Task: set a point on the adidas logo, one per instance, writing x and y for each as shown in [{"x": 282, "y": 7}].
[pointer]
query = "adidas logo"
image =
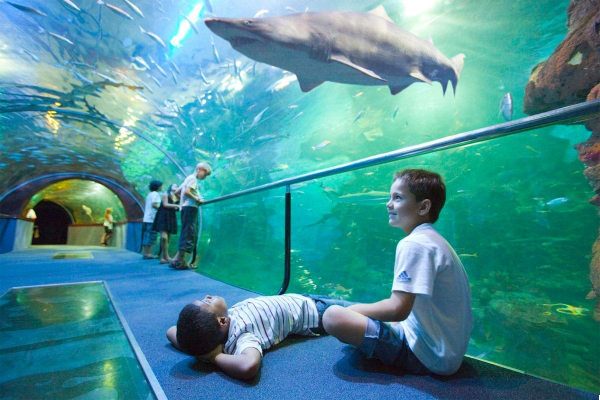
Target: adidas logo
[{"x": 403, "y": 277}]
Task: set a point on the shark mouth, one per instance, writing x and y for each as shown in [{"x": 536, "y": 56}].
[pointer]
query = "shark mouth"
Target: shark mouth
[{"x": 238, "y": 41}]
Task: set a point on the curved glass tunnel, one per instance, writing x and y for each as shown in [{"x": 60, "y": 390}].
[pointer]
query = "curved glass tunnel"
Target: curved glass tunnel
[{"x": 88, "y": 93}]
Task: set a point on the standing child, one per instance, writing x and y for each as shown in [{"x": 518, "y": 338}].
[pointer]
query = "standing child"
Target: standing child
[
  {"x": 431, "y": 297},
  {"x": 151, "y": 206},
  {"x": 191, "y": 216},
  {"x": 165, "y": 221},
  {"x": 108, "y": 226}
]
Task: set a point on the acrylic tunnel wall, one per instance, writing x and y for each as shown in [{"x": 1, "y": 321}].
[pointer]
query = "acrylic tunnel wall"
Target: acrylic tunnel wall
[{"x": 88, "y": 92}]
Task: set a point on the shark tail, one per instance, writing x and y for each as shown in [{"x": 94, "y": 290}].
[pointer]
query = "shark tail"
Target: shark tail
[{"x": 457, "y": 62}]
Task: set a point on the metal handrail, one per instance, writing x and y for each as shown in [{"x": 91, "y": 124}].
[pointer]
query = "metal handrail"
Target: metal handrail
[
  {"x": 570, "y": 114},
  {"x": 563, "y": 115}
]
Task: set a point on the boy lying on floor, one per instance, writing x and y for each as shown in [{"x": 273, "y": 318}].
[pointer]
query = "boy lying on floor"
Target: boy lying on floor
[{"x": 234, "y": 339}]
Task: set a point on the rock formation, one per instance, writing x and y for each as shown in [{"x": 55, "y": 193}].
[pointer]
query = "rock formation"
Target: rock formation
[{"x": 572, "y": 75}]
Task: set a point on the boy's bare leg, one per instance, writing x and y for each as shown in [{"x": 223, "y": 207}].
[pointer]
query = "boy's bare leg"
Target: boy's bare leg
[
  {"x": 346, "y": 325},
  {"x": 164, "y": 247}
]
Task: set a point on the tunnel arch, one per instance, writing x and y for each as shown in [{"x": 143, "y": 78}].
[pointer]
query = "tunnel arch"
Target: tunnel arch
[{"x": 15, "y": 201}]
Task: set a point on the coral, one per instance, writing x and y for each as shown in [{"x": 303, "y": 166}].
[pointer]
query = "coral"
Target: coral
[{"x": 572, "y": 75}]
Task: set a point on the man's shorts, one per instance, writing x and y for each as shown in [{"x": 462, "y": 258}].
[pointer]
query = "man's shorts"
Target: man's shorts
[
  {"x": 149, "y": 237},
  {"x": 389, "y": 345},
  {"x": 323, "y": 303}
]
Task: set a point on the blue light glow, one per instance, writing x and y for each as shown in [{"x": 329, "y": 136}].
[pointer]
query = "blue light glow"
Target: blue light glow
[{"x": 185, "y": 27}]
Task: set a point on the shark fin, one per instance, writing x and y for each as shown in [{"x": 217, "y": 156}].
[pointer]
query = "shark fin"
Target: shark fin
[
  {"x": 430, "y": 40},
  {"x": 344, "y": 60},
  {"x": 306, "y": 84},
  {"x": 418, "y": 75},
  {"x": 458, "y": 61},
  {"x": 398, "y": 88},
  {"x": 381, "y": 13}
]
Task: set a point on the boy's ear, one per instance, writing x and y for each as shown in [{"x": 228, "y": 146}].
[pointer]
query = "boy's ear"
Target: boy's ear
[
  {"x": 222, "y": 321},
  {"x": 425, "y": 207}
]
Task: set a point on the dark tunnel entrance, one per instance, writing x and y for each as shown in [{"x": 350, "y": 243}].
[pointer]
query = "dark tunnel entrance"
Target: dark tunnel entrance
[{"x": 52, "y": 223}]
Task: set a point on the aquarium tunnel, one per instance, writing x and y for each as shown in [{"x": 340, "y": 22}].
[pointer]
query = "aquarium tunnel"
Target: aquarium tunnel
[{"x": 303, "y": 111}]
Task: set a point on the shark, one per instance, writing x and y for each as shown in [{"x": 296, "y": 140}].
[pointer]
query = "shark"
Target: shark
[{"x": 361, "y": 48}]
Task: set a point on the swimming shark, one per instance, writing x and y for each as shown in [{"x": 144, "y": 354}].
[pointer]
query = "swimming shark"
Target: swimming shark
[{"x": 341, "y": 46}]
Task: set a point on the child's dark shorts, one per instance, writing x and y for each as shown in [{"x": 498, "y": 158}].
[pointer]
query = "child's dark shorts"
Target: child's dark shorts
[{"x": 389, "y": 345}]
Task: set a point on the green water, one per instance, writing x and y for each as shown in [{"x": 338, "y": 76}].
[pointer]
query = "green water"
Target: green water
[{"x": 517, "y": 209}]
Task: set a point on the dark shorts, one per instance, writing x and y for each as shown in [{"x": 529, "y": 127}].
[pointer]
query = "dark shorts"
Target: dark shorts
[
  {"x": 149, "y": 235},
  {"x": 189, "y": 229},
  {"x": 107, "y": 230},
  {"x": 389, "y": 345},
  {"x": 323, "y": 303}
]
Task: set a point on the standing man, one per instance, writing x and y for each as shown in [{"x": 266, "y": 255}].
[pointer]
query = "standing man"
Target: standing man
[
  {"x": 191, "y": 216},
  {"x": 152, "y": 204}
]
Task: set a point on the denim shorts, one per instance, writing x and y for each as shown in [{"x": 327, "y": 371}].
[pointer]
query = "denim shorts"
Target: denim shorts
[
  {"x": 389, "y": 345},
  {"x": 149, "y": 237},
  {"x": 323, "y": 303}
]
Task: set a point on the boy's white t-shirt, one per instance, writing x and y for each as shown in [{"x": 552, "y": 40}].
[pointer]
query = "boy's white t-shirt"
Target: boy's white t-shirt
[
  {"x": 186, "y": 201},
  {"x": 149, "y": 210},
  {"x": 439, "y": 325}
]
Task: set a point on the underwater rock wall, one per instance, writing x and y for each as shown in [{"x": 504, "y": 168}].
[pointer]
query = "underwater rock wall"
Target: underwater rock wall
[{"x": 572, "y": 75}]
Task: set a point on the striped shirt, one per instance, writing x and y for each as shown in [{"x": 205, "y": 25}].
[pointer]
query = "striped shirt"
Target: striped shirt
[{"x": 262, "y": 322}]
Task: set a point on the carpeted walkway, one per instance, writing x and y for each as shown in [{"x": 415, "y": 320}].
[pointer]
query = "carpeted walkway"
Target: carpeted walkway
[{"x": 150, "y": 296}]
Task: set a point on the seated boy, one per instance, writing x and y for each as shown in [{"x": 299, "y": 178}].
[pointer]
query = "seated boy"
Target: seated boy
[
  {"x": 234, "y": 339},
  {"x": 430, "y": 296}
]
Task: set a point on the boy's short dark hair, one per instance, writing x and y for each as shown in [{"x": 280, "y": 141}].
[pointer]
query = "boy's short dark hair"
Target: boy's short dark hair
[
  {"x": 425, "y": 185},
  {"x": 155, "y": 185},
  {"x": 198, "y": 331}
]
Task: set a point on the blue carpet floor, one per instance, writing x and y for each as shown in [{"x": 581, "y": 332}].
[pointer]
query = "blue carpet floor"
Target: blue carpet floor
[{"x": 150, "y": 296}]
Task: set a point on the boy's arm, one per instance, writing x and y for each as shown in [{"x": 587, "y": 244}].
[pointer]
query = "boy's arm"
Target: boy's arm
[
  {"x": 396, "y": 308},
  {"x": 172, "y": 336},
  {"x": 240, "y": 366},
  {"x": 189, "y": 193}
]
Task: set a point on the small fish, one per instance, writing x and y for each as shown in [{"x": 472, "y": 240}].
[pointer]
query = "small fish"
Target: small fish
[
  {"x": 557, "y": 201},
  {"x": 146, "y": 85},
  {"x": 174, "y": 66},
  {"x": 30, "y": 54},
  {"x": 116, "y": 10},
  {"x": 394, "y": 113},
  {"x": 82, "y": 78},
  {"x": 358, "y": 94},
  {"x": 192, "y": 25},
  {"x": 153, "y": 36},
  {"x": 360, "y": 113},
  {"x": 208, "y": 5},
  {"x": 134, "y": 8},
  {"x": 142, "y": 62},
  {"x": 64, "y": 39},
  {"x": 468, "y": 255},
  {"x": 164, "y": 124},
  {"x": 203, "y": 77},
  {"x": 155, "y": 81},
  {"x": 71, "y": 4},
  {"x": 174, "y": 77},
  {"x": 80, "y": 64},
  {"x": 506, "y": 107},
  {"x": 215, "y": 52},
  {"x": 297, "y": 115},
  {"x": 105, "y": 77},
  {"x": 260, "y": 13},
  {"x": 256, "y": 119},
  {"x": 291, "y": 9},
  {"x": 321, "y": 145},
  {"x": 162, "y": 71},
  {"x": 26, "y": 9}
]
